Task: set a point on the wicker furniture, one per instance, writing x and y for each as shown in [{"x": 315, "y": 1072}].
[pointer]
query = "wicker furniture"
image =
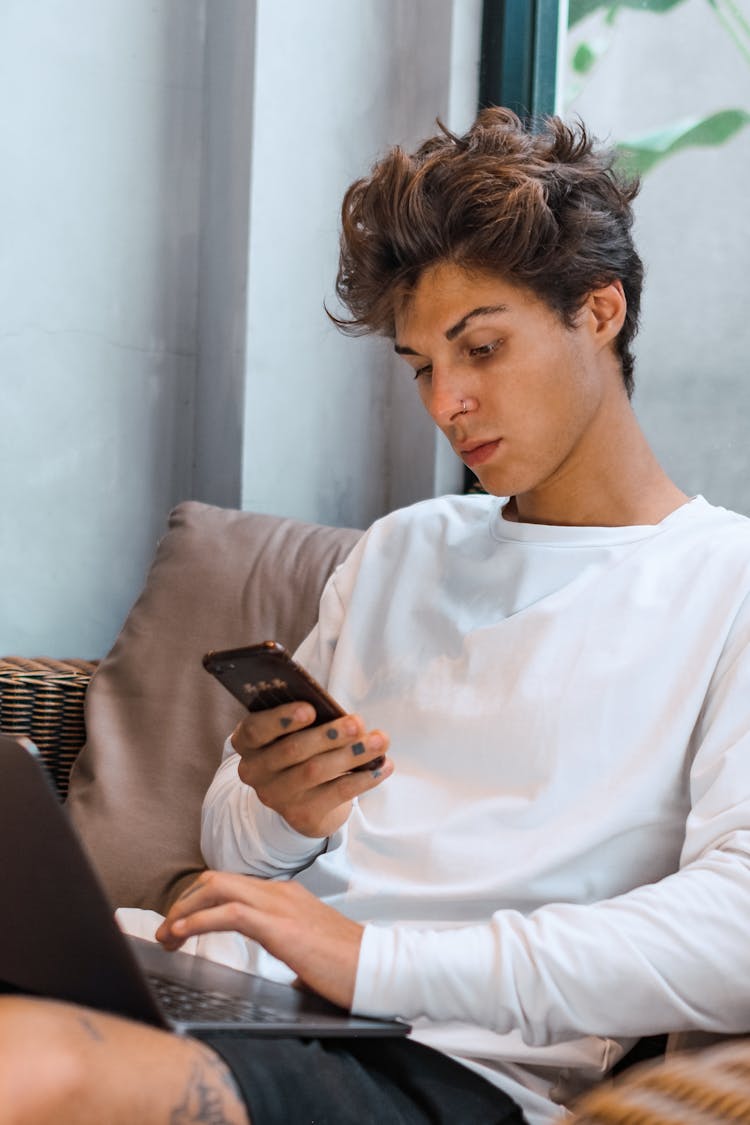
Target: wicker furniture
[
  {"x": 708, "y": 1087},
  {"x": 43, "y": 699}
]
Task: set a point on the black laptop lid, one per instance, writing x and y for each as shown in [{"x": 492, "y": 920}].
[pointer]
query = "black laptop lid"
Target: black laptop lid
[{"x": 59, "y": 937}]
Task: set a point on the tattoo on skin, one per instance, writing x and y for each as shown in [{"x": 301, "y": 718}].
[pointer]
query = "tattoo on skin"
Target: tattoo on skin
[
  {"x": 191, "y": 890},
  {"x": 211, "y": 1096},
  {"x": 285, "y": 723},
  {"x": 358, "y": 748},
  {"x": 216, "y": 1063},
  {"x": 91, "y": 1029},
  {"x": 332, "y": 733}
]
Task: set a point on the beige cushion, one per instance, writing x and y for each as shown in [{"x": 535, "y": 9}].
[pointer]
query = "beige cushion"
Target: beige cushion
[{"x": 156, "y": 721}]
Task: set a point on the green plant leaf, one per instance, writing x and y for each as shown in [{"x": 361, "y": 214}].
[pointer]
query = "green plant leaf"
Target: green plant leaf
[
  {"x": 736, "y": 25},
  {"x": 579, "y": 9},
  {"x": 641, "y": 154},
  {"x": 584, "y": 58},
  {"x": 650, "y": 5}
]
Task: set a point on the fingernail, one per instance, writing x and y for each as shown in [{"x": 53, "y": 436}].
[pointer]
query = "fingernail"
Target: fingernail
[
  {"x": 303, "y": 713},
  {"x": 376, "y": 742}
]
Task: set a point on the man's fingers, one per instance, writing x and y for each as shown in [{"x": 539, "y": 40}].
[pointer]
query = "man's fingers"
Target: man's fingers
[
  {"x": 319, "y": 802},
  {"x": 324, "y": 765},
  {"x": 226, "y": 917},
  {"x": 213, "y": 888},
  {"x": 303, "y": 759},
  {"x": 284, "y": 734},
  {"x": 316, "y": 743},
  {"x": 210, "y": 891},
  {"x": 231, "y": 915},
  {"x": 354, "y": 784},
  {"x": 226, "y": 901},
  {"x": 261, "y": 728}
]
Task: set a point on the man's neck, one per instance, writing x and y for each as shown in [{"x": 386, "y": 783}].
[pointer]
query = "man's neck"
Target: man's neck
[{"x": 616, "y": 481}]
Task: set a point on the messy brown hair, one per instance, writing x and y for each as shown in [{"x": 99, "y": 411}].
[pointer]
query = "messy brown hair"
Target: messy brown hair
[{"x": 538, "y": 203}]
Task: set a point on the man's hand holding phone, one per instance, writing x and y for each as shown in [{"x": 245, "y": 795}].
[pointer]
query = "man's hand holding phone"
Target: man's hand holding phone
[{"x": 308, "y": 774}]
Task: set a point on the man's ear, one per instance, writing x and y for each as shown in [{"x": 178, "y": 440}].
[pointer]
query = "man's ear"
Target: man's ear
[{"x": 606, "y": 309}]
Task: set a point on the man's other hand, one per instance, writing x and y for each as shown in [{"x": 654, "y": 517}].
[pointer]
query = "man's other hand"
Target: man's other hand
[{"x": 317, "y": 942}]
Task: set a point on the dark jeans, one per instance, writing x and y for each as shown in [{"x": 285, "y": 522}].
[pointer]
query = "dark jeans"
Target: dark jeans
[{"x": 359, "y": 1082}]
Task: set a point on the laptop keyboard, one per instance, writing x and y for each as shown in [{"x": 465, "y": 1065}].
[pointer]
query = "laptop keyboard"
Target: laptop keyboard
[{"x": 185, "y": 1004}]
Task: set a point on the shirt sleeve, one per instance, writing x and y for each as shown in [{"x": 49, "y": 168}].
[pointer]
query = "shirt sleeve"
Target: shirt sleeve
[
  {"x": 238, "y": 832},
  {"x": 669, "y": 956}
]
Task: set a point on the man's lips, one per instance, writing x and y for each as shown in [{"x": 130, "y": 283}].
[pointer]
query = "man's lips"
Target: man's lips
[{"x": 476, "y": 452}]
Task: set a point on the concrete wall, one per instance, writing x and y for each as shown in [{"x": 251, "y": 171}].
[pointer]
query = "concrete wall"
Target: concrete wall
[
  {"x": 333, "y": 428},
  {"x": 172, "y": 176},
  {"x": 101, "y": 107}
]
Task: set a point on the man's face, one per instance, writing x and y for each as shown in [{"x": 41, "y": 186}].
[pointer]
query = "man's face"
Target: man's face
[{"x": 531, "y": 387}]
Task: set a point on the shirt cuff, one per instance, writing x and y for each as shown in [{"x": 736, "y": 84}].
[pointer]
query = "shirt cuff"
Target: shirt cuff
[
  {"x": 416, "y": 973},
  {"x": 284, "y": 844}
]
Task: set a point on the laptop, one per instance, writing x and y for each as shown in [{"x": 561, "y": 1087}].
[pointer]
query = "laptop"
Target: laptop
[{"x": 59, "y": 938}]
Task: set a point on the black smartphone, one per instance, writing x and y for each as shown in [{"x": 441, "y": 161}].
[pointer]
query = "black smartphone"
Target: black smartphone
[{"x": 265, "y": 675}]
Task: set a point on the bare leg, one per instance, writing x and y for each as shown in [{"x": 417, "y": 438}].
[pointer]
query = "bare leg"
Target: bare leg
[{"x": 60, "y": 1063}]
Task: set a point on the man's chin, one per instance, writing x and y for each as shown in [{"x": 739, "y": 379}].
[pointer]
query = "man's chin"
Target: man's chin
[{"x": 493, "y": 484}]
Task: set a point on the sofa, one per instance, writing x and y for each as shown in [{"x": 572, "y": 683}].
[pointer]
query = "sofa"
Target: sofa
[{"x": 155, "y": 722}]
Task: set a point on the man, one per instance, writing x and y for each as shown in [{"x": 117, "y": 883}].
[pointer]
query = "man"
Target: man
[{"x": 552, "y": 859}]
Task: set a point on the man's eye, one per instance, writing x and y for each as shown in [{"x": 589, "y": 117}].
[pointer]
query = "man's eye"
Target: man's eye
[
  {"x": 420, "y": 371},
  {"x": 484, "y": 349}
]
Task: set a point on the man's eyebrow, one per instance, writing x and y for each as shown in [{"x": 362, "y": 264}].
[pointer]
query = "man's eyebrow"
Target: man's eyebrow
[
  {"x": 458, "y": 327},
  {"x": 483, "y": 310}
]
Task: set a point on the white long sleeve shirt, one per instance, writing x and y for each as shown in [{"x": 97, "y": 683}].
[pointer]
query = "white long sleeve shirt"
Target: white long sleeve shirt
[{"x": 561, "y": 858}]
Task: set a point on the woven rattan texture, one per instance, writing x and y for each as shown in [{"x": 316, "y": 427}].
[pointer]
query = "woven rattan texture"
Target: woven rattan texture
[
  {"x": 43, "y": 699},
  {"x": 707, "y": 1087}
]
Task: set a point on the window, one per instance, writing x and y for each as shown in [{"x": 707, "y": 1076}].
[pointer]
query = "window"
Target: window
[{"x": 669, "y": 82}]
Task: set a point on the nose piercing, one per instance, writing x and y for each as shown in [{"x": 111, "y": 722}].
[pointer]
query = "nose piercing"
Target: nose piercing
[{"x": 463, "y": 406}]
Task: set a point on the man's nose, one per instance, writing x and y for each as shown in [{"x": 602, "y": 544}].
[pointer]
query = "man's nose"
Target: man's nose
[{"x": 448, "y": 397}]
